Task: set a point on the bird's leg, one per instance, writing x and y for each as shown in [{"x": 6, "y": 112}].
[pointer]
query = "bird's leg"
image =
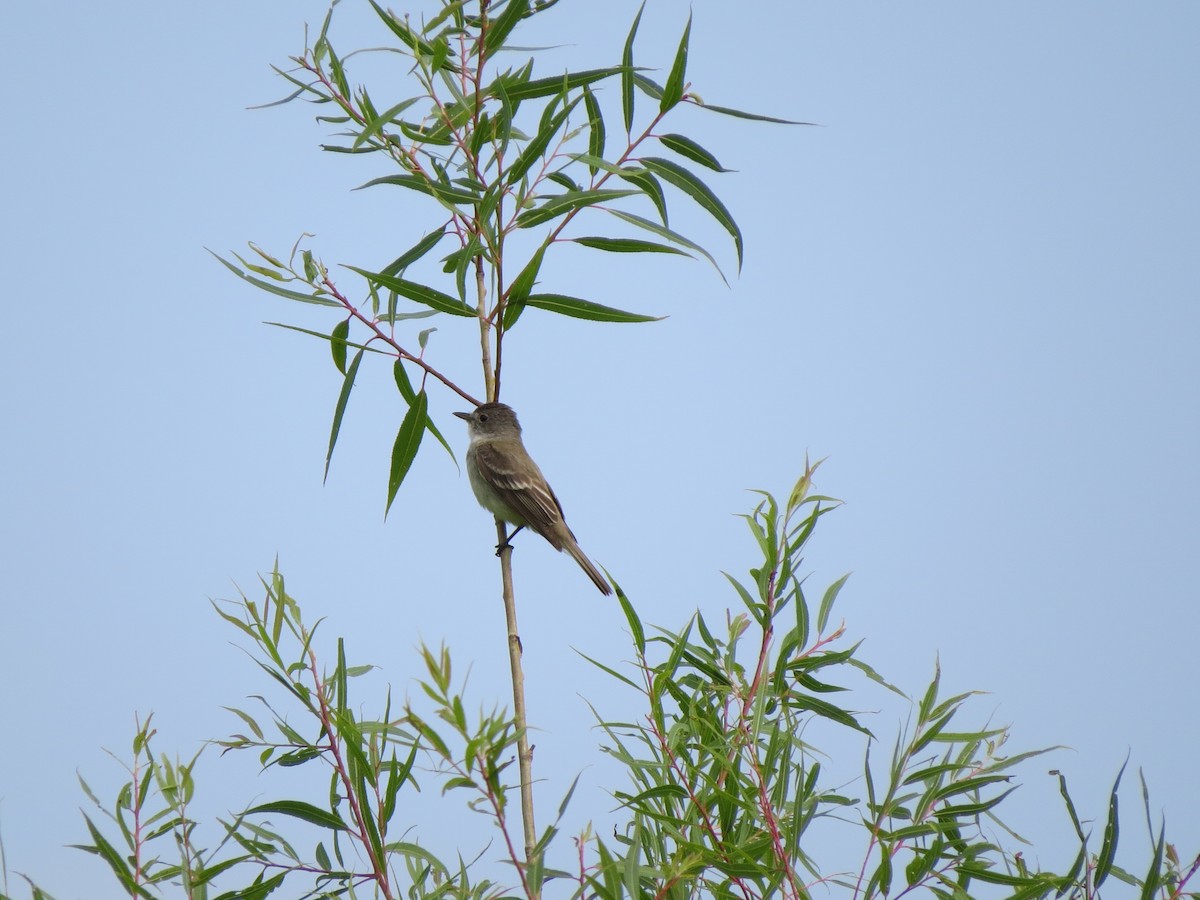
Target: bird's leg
[{"x": 507, "y": 545}]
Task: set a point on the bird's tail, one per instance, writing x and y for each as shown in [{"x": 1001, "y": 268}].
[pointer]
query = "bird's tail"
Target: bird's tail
[{"x": 586, "y": 564}]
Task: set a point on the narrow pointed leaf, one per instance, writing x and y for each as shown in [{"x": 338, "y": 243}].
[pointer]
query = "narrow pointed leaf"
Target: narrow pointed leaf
[
  {"x": 635, "y": 175},
  {"x": 673, "y": 89},
  {"x": 627, "y": 245},
  {"x": 340, "y": 409},
  {"x": 636, "y": 628},
  {"x": 825, "y": 710},
  {"x": 737, "y": 113},
  {"x": 399, "y": 28},
  {"x": 418, "y": 292},
  {"x": 521, "y": 288},
  {"x": 663, "y": 231},
  {"x": 1154, "y": 877},
  {"x": 450, "y": 195},
  {"x": 408, "y": 440},
  {"x": 337, "y": 344},
  {"x": 584, "y": 309},
  {"x": 288, "y": 99},
  {"x": 827, "y": 602},
  {"x": 700, "y": 192},
  {"x": 648, "y": 86},
  {"x": 501, "y": 27},
  {"x": 535, "y": 148},
  {"x": 1108, "y": 847},
  {"x": 595, "y": 125},
  {"x": 378, "y": 123},
  {"x": 453, "y": 8},
  {"x": 304, "y": 811},
  {"x": 627, "y": 71},
  {"x": 562, "y": 179},
  {"x": 649, "y": 186},
  {"x": 688, "y": 148},
  {"x": 546, "y": 87},
  {"x": 561, "y": 204},
  {"x": 415, "y": 252},
  {"x": 410, "y": 395},
  {"x": 275, "y": 289},
  {"x": 323, "y": 336}
]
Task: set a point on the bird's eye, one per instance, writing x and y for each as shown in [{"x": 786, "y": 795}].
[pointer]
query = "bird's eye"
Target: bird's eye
[{"x": 483, "y": 417}]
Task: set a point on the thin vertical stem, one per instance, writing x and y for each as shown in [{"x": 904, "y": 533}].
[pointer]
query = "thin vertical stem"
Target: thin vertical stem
[
  {"x": 485, "y": 328},
  {"x": 524, "y": 751}
]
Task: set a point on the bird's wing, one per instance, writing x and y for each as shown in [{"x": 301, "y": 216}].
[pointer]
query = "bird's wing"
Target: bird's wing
[{"x": 531, "y": 498}]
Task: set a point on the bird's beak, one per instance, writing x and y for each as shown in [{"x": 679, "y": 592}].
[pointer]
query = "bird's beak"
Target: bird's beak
[{"x": 466, "y": 416}]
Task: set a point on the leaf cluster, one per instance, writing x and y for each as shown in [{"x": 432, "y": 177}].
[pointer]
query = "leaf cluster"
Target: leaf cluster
[
  {"x": 728, "y": 788},
  {"x": 494, "y": 151}
]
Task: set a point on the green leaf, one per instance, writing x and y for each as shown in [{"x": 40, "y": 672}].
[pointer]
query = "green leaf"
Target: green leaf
[
  {"x": 306, "y": 812},
  {"x": 737, "y": 113},
  {"x": 337, "y": 344},
  {"x": 245, "y": 717},
  {"x": 419, "y": 292},
  {"x": 410, "y": 396},
  {"x": 673, "y": 791},
  {"x": 398, "y": 775},
  {"x": 408, "y": 440},
  {"x": 825, "y": 710},
  {"x": 401, "y": 30},
  {"x": 535, "y": 148},
  {"x": 831, "y": 593},
  {"x": 968, "y": 785},
  {"x": 449, "y": 195},
  {"x": 700, "y": 192},
  {"x": 288, "y": 99},
  {"x": 546, "y": 87},
  {"x": 337, "y": 72},
  {"x": 340, "y": 409},
  {"x": 663, "y": 231},
  {"x": 438, "y": 135},
  {"x": 561, "y": 204},
  {"x": 595, "y": 125},
  {"x": 688, "y": 148},
  {"x": 584, "y": 309},
  {"x": 673, "y": 89},
  {"x": 1062, "y": 789},
  {"x": 377, "y": 124},
  {"x": 613, "y": 672},
  {"x": 649, "y": 186},
  {"x": 648, "y": 86},
  {"x": 415, "y": 252},
  {"x": 501, "y": 27},
  {"x": 208, "y": 873},
  {"x": 563, "y": 179},
  {"x": 1154, "y": 878},
  {"x": 299, "y": 757},
  {"x": 627, "y": 71},
  {"x": 334, "y": 148},
  {"x": 453, "y": 8},
  {"x": 324, "y": 337},
  {"x": 519, "y": 290},
  {"x": 627, "y": 245},
  {"x": 1108, "y": 848},
  {"x": 275, "y": 289},
  {"x": 106, "y": 851}
]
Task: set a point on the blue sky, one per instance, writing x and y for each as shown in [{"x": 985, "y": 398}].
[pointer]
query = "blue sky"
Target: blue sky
[{"x": 975, "y": 289}]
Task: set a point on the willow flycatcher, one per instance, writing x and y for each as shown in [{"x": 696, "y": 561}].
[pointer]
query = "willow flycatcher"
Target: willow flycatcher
[{"x": 509, "y": 484}]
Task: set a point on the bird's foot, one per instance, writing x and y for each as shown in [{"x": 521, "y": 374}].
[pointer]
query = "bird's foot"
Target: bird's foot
[{"x": 507, "y": 544}]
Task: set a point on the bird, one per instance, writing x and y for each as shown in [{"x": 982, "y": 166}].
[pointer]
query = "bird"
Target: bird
[{"x": 509, "y": 484}]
